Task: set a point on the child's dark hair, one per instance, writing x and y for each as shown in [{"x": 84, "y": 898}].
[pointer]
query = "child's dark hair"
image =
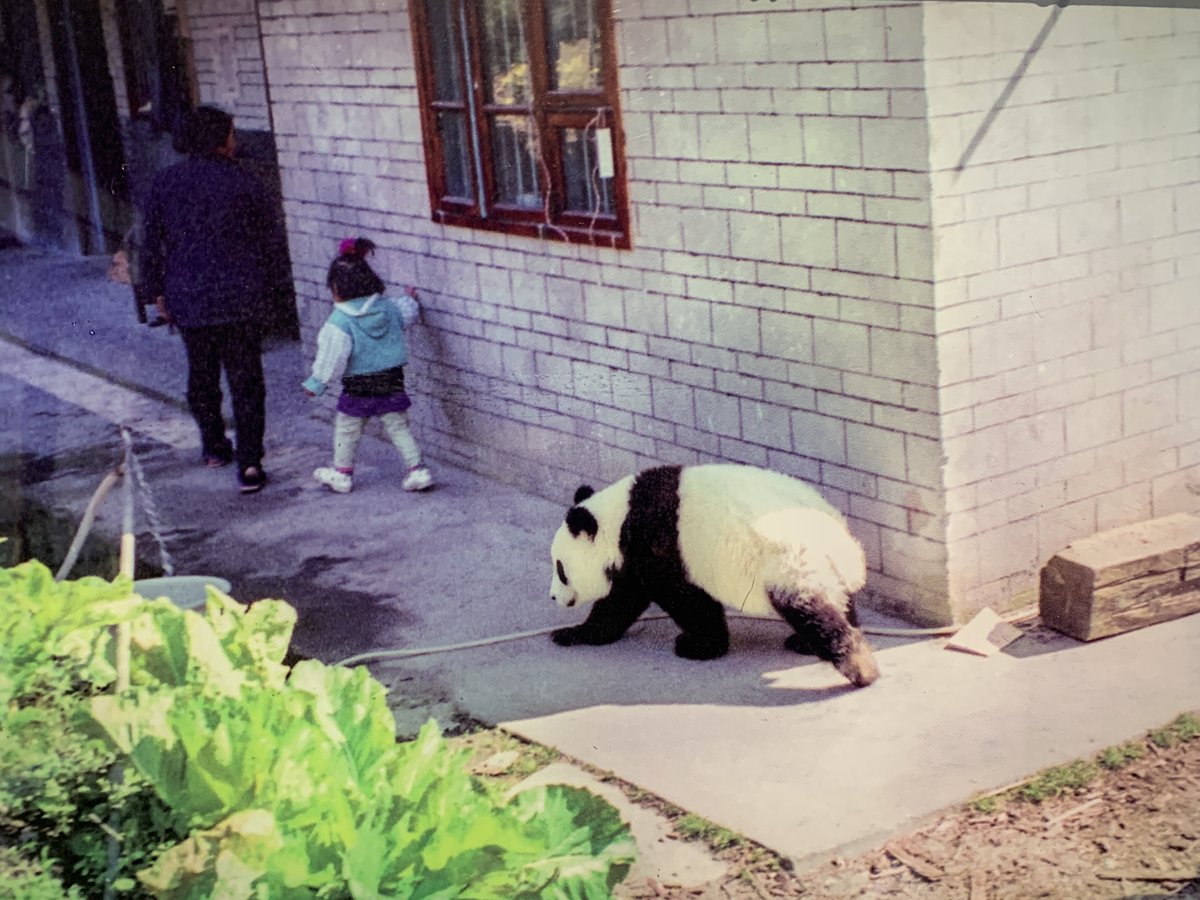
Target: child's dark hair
[{"x": 350, "y": 275}]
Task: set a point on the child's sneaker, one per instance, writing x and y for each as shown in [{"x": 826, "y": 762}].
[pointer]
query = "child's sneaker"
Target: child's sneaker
[
  {"x": 338, "y": 482},
  {"x": 418, "y": 479}
]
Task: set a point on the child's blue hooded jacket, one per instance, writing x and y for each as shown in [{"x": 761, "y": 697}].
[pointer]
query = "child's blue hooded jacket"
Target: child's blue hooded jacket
[{"x": 362, "y": 336}]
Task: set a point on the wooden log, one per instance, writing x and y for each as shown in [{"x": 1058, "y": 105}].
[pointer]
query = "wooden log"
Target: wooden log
[{"x": 1124, "y": 578}]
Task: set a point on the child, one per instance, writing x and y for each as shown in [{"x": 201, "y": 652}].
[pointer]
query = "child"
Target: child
[{"x": 363, "y": 340}]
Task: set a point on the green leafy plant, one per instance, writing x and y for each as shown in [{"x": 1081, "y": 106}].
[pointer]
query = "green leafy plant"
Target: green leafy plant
[
  {"x": 57, "y": 790},
  {"x": 248, "y": 778},
  {"x": 31, "y": 879}
]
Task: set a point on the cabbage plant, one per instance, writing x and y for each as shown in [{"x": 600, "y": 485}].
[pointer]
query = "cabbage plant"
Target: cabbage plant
[{"x": 281, "y": 783}]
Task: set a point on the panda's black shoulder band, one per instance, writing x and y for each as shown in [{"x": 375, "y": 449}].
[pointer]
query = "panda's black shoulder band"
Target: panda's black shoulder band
[{"x": 581, "y": 521}]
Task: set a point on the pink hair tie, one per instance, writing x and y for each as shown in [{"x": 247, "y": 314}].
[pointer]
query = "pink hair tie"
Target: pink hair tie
[{"x": 348, "y": 247}]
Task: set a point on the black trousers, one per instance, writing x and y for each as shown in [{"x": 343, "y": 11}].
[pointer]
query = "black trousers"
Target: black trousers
[{"x": 236, "y": 348}]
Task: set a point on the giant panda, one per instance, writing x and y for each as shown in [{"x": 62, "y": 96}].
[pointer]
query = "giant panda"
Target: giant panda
[{"x": 696, "y": 539}]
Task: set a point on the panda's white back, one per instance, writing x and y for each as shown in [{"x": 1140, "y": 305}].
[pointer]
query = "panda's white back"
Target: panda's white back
[{"x": 743, "y": 528}]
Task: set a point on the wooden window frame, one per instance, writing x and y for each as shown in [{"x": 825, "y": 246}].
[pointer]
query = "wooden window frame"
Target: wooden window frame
[{"x": 549, "y": 111}]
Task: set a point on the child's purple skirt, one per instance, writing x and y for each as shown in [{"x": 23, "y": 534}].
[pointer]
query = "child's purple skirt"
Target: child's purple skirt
[{"x": 368, "y": 407}]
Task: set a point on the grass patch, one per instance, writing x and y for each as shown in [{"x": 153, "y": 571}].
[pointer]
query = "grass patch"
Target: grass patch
[
  {"x": 1075, "y": 776},
  {"x": 695, "y": 828},
  {"x": 985, "y": 805},
  {"x": 1187, "y": 727},
  {"x": 1113, "y": 758},
  {"x": 1059, "y": 780}
]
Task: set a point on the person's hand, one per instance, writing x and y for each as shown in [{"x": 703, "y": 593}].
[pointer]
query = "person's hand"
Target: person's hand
[
  {"x": 309, "y": 393},
  {"x": 160, "y": 304},
  {"x": 410, "y": 291}
]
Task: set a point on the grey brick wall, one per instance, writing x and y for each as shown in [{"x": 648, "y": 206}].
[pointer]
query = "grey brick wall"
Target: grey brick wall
[{"x": 229, "y": 60}]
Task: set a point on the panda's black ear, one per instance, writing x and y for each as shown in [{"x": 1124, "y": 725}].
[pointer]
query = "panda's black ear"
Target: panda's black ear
[
  {"x": 583, "y": 493},
  {"x": 581, "y": 521}
]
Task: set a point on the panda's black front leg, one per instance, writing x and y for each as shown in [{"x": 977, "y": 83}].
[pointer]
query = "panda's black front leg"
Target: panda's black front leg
[
  {"x": 702, "y": 620},
  {"x": 609, "y": 619}
]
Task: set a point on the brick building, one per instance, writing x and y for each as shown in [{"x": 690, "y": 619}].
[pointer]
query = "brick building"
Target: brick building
[{"x": 941, "y": 259}]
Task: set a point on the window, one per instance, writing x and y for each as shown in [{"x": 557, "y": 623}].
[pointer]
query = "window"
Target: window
[{"x": 519, "y": 110}]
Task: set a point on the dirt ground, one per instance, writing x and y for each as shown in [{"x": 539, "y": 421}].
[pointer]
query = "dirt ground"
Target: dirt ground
[{"x": 1126, "y": 825}]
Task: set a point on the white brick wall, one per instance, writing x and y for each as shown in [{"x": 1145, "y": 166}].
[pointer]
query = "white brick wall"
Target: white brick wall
[
  {"x": 801, "y": 175},
  {"x": 230, "y": 69},
  {"x": 777, "y": 307},
  {"x": 1063, "y": 146}
]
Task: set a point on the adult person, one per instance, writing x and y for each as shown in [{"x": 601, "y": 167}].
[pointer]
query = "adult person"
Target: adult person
[{"x": 208, "y": 225}]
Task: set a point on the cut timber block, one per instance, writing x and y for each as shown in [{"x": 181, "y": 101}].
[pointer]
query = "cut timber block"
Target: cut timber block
[{"x": 1125, "y": 578}]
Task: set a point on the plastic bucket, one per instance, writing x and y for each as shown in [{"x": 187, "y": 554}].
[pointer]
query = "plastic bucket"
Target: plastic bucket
[{"x": 185, "y": 591}]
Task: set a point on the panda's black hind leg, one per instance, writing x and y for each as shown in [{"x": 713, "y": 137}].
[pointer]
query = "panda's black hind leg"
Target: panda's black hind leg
[
  {"x": 823, "y": 630},
  {"x": 802, "y": 644},
  {"x": 702, "y": 620}
]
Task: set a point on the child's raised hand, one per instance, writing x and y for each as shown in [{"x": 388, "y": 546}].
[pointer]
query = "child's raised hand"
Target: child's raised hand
[
  {"x": 410, "y": 291},
  {"x": 309, "y": 393}
]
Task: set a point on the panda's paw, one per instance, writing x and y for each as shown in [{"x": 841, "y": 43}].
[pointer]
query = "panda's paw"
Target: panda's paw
[
  {"x": 567, "y": 637},
  {"x": 690, "y": 646},
  {"x": 581, "y": 634}
]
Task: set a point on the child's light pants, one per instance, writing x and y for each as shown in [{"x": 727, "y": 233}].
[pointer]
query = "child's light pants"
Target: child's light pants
[{"x": 347, "y": 431}]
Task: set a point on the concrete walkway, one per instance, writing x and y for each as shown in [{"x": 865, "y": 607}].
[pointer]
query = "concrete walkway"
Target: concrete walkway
[{"x": 772, "y": 745}]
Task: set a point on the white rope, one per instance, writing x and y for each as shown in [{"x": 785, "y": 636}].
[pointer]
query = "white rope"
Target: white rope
[
  {"x": 151, "y": 509},
  {"x": 409, "y": 652}
]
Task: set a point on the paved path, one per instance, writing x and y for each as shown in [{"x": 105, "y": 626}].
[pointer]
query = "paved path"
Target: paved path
[{"x": 772, "y": 745}]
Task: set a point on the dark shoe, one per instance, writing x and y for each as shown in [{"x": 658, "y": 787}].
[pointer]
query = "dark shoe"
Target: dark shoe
[
  {"x": 222, "y": 456},
  {"x": 251, "y": 479}
]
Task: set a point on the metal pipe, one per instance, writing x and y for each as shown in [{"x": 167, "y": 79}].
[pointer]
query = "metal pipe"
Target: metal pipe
[{"x": 82, "y": 133}]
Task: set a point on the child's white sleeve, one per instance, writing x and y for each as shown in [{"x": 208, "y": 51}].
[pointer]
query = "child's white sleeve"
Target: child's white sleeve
[
  {"x": 410, "y": 310},
  {"x": 333, "y": 352}
]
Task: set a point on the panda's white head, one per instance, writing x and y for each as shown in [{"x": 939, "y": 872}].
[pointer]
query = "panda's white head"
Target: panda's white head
[{"x": 584, "y": 552}]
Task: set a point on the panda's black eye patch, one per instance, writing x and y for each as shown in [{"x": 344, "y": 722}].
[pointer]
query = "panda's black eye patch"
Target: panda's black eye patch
[{"x": 562, "y": 573}]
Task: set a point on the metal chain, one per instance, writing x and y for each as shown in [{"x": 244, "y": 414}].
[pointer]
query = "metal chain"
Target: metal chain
[{"x": 148, "y": 504}]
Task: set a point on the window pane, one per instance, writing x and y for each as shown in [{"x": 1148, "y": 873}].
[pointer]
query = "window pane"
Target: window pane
[
  {"x": 573, "y": 45},
  {"x": 506, "y": 53},
  {"x": 587, "y": 191},
  {"x": 456, "y": 157},
  {"x": 514, "y": 162},
  {"x": 445, "y": 44}
]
